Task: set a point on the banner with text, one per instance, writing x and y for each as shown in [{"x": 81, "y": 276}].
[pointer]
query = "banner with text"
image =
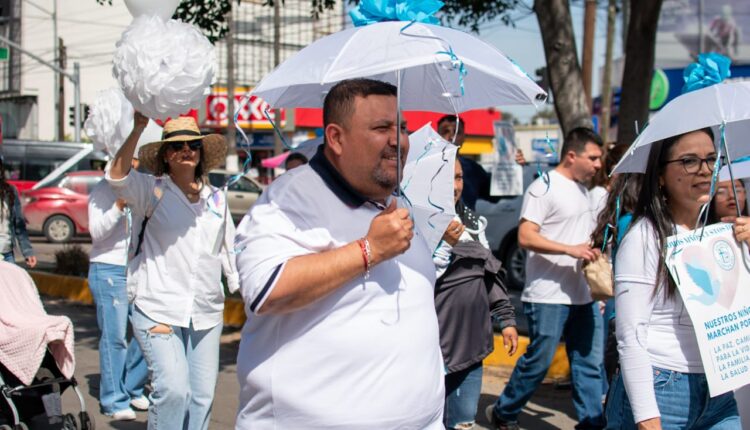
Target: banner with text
[{"x": 709, "y": 273}]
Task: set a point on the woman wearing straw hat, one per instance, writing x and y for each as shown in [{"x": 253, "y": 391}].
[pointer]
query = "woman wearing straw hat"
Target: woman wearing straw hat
[{"x": 175, "y": 276}]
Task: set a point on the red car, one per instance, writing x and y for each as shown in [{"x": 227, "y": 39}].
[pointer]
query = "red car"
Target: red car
[{"x": 60, "y": 211}]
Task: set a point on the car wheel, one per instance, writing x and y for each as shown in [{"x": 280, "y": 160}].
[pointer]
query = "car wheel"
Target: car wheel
[
  {"x": 59, "y": 229},
  {"x": 515, "y": 266}
]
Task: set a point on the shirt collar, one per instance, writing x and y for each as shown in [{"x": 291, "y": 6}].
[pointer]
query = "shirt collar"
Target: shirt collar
[{"x": 335, "y": 182}]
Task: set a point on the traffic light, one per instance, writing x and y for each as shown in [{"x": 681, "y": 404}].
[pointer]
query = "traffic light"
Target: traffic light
[{"x": 72, "y": 114}]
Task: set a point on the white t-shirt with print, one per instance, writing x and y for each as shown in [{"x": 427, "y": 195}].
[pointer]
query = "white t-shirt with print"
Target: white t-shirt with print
[{"x": 564, "y": 215}]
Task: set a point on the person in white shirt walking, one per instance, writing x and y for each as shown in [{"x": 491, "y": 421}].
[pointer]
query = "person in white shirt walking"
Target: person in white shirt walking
[
  {"x": 338, "y": 287},
  {"x": 175, "y": 278},
  {"x": 555, "y": 227},
  {"x": 122, "y": 369},
  {"x": 661, "y": 383}
]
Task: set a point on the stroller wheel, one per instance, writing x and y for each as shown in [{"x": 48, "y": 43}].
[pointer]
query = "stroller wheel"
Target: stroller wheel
[
  {"x": 86, "y": 422},
  {"x": 21, "y": 426},
  {"x": 6, "y": 427},
  {"x": 69, "y": 422}
]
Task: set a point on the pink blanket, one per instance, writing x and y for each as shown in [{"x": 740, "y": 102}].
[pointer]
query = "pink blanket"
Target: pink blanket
[{"x": 26, "y": 330}]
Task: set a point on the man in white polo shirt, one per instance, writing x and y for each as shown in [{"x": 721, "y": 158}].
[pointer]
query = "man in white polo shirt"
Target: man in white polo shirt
[{"x": 338, "y": 288}]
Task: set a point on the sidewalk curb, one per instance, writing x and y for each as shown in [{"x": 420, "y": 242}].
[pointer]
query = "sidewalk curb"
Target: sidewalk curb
[{"x": 77, "y": 290}]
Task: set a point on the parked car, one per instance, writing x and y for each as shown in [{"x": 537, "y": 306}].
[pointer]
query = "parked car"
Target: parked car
[
  {"x": 29, "y": 161},
  {"x": 60, "y": 211},
  {"x": 502, "y": 230},
  {"x": 241, "y": 195}
]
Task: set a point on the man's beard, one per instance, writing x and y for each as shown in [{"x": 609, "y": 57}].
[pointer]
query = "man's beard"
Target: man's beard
[{"x": 381, "y": 176}]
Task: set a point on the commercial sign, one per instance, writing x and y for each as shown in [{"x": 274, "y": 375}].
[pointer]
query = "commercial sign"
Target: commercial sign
[{"x": 252, "y": 115}]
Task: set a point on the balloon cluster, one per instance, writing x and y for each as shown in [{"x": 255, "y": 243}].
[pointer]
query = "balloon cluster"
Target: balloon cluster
[{"x": 164, "y": 67}]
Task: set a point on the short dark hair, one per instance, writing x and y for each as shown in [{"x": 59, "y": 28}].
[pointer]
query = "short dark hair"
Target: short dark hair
[
  {"x": 295, "y": 156},
  {"x": 338, "y": 105},
  {"x": 577, "y": 138},
  {"x": 452, "y": 118}
]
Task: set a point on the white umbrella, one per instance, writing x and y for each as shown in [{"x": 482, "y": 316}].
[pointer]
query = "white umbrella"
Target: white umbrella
[
  {"x": 440, "y": 69},
  {"x": 740, "y": 169},
  {"x": 712, "y": 106},
  {"x": 428, "y": 183}
]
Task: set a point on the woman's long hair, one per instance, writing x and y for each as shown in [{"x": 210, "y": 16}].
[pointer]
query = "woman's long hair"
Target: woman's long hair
[
  {"x": 626, "y": 187},
  {"x": 6, "y": 192},
  {"x": 652, "y": 205}
]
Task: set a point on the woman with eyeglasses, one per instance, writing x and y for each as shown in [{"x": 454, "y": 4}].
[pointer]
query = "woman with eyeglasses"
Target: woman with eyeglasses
[
  {"x": 661, "y": 383},
  {"x": 186, "y": 238}
]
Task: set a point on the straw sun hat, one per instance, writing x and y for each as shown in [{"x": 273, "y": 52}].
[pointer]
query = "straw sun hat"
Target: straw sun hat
[{"x": 184, "y": 129}]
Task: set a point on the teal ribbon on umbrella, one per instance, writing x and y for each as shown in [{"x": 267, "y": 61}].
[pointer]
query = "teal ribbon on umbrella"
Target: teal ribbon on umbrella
[
  {"x": 711, "y": 68},
  {"x": 456, "y": 64},
  {"x": 372, "y": 11}
]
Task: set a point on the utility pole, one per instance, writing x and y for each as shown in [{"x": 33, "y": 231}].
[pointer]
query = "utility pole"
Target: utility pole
[
  {"x": 232, "y": 161},
  {"x": 60, "y": 86},
  {"x": 57, "y": 78},
  {"x": 607, "y": 78},
  {"x": 278, "y": 146},
  {"x": 589, "y": 30}
]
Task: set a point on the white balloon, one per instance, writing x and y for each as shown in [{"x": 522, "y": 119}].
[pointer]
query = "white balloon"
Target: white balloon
[
  {"x": 110, "y": 121},
  {"x": 164, "y": 9},
  {"x": 164, "y": 68}
]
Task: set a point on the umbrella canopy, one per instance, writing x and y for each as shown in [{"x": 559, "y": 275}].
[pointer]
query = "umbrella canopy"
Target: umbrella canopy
[
  {"x": 708, "y": 107},
  {"x": 428, "y": 183},
  {"x": 431, "y": 59},
  {"x": 740, "y": 169},
  {"x": 275, "y": 161}
]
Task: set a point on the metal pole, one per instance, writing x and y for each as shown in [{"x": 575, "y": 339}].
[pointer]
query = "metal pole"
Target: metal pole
[
  {"x": 77, "y": 101},
  {"x": 398, "y": 133},
  {"x": 231, "y": 161},
  {"x": 56, "y": 48},
  {"x": 14, "y": 45},
  {"x": 278, "y": 145}
]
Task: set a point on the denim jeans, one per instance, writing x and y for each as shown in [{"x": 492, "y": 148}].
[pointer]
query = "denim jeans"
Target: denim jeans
[
  {"x": 8, "y": 257},
  {"x": 683, "y": 401},
  {"x": 609, "y": 313},
  {"x": 122, "y": 368},
  {"x": 462, "y": 391},
  {"x": 582, "y": 327},
  {"x": 184, "y": 366}
]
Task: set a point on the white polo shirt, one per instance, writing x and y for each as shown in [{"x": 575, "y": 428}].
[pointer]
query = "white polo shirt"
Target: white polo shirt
[
  {"x": 367, "y": 356},
  {"x": 183, "y": 252}
]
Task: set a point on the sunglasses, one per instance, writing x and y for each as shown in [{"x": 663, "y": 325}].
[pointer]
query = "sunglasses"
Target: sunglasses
[{"x": 194, "y": 145}]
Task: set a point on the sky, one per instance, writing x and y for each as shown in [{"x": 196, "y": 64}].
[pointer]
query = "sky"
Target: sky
[{"x": 523, "y": 43}]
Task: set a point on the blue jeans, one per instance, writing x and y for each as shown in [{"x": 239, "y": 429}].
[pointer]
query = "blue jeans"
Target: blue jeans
[
  {"x": 462, "y": 391},
  {"x": 582, "y": 327},
  {"x": 683, "y": 401},
  {"x": 8, "y": 257},
  {"x": 122, "y": 368},
  {"x": 609, "y": 313},
  {"x": 184, "y": 366}
]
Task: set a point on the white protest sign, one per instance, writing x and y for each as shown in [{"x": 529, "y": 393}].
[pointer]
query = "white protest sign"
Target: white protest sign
[{"x": 715, "y": 286}]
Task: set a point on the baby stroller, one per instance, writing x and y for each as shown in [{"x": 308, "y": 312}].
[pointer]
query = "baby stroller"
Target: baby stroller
[{"x": 36, "y": 359}]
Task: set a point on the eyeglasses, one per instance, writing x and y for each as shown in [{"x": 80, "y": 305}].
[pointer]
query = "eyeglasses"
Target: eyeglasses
[
  {"x": 177, "y": 145},
  {"x": 693, "y": 165}
]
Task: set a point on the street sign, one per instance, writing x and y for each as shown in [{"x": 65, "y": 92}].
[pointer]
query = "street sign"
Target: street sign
[{"x": 4, "y": 53}]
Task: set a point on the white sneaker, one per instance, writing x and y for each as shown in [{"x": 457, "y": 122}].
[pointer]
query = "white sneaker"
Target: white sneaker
[
  {"x": 124, "y": 415},
  {"x": 140, "y": 403}
]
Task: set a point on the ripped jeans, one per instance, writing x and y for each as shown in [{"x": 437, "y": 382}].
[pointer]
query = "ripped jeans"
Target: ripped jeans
[
  {"x": 122, "y": 369},
  {"x": 184, "y": 366}
]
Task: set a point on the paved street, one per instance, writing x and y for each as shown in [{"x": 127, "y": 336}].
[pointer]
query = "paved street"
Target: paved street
[{"x": 551, "y": 408}]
